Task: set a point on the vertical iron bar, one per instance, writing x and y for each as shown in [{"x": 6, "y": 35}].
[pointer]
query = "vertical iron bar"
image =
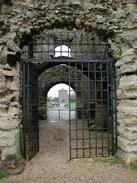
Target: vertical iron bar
[
  {"x": 102, "y": 125},
  {"x": 75, "y": 41},
  {"x": 69, "y": 50},
  {"x": 115, "y": 104},
  {"x": 28, "y": 110},
  {"x": 76, "y": 90},
  {"x": 108, "y": 105},
  {"x": 69, "y": 77},
  {"x": 112, "y": 108},
  {"x": 83, "y": 108},
  {"x": 24, "y": 106},
  {"x": 61, "y": 43},
  {"x": 59, "y": 113},
  {"x": 89, "y": 113},
  {"x": 95, "y": 70},
  {"x": 30, "y": 49},
  {"x": 48, "y": 49},
  {"x": 41, "y": 48}
]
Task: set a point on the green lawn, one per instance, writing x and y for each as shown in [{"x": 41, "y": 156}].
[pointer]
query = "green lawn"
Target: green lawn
[{"x": 72, "y": 106}]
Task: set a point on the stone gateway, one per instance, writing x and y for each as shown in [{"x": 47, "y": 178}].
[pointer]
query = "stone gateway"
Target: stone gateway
[{"x": 111, "y": 22}]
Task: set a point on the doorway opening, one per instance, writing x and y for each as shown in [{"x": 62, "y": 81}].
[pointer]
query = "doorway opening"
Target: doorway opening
[
  {"x": 88, "y": 68},
  {"x": 59, "y": 106}
]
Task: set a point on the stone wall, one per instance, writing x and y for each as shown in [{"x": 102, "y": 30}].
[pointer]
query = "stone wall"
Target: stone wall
[
  {"x": 114, "y": 20},
  {"x": 9, "y": 109}
]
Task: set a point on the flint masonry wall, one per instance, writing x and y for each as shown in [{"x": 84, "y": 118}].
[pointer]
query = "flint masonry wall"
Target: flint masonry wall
[{"x": 115, "y": 20}]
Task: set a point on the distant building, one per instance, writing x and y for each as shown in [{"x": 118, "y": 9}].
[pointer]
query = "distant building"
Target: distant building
[
  {"x": 56, "y": 99},
  {"x": 63, "y": 96}
]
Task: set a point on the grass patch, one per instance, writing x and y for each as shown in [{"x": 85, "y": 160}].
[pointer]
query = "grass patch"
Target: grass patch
[
  {"x": 112, "y": 160},
  {"x": 72, "y": 106},
  {"x": 134, "y": 165},
  {"x": 3, "y": 174}
]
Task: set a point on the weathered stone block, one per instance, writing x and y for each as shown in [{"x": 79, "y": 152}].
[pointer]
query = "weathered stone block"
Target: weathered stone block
[
  {"x": 14, "y": 110},
  {"x": 6, "y": 9},
  {"x": 7, "y": 138},
  {"x": 8, "y": 123},
  {"x": 128, "y": 111},
  {"x": 121, "y": 129},
  {"x": 10, "y": 73},
  {"x": 12, "y": 86},
  {"x": 126, "y": 121},
  {"x": 127, "y": 63},
  {"x": 7, "y": 151},
  {"x": 128, "y": 82},
  {"x": 130, "y": 133},
  {"x": 129, "y": 37},
  {"x": 130, "y": 157},
  {"x": 2, "y": 78},
  {"x": 12, "y": 46},
  {"x": 3, "y": 108},
  {"x": 2, "y": 86},
  {"x": 126, "y": 145},
  {"x": 126, "y": 157},
  {"x": 127, "y": 94}
]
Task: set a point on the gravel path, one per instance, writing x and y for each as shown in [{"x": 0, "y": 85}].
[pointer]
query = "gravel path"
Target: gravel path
[{"x": 51, "y": 164}]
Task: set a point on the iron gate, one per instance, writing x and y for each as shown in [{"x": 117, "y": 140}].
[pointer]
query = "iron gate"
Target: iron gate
[
  {"x": 30, "y": 110},
  {"x": 93, "y": 132}
]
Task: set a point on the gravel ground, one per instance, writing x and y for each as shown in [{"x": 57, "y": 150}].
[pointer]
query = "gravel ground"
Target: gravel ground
[{"x": 52, "y": 165}]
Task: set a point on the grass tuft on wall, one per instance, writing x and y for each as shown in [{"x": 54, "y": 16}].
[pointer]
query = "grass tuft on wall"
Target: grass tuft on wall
[
  {"x": 134, "y": 165},
  {"x": 3, "y": 174}
]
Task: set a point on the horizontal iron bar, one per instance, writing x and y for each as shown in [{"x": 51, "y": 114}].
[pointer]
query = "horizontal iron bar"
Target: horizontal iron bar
[
  {"x": 96, "y": 138},
  {"x": 41, "y": 61},
  {"x": 84, "y": 44},
  {"x": 93, "y": 129},
  {"x": 81, "y": 148}
]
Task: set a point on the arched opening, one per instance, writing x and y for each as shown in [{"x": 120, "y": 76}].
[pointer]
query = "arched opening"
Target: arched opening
[
  {"x": 62, "y": 51},
  {"x": 61, "y": 103},
  {"x": 90, "y": 72}
]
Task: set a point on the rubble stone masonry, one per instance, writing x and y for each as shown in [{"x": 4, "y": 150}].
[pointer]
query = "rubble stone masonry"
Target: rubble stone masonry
[{"x": 116, "y": 20}]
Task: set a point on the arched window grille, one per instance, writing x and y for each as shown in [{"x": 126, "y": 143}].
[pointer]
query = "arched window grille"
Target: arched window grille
[{"x": 62, "y": 51}]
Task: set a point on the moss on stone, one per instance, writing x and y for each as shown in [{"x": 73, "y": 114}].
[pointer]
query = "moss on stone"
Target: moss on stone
[{"x": 3, "y": 174}]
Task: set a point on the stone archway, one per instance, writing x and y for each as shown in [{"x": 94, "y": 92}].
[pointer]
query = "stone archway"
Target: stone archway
[
  {"x": 90, "y": 70},
  {"x": 55, "y": 75},
  {"x": 119, "y": 28}
]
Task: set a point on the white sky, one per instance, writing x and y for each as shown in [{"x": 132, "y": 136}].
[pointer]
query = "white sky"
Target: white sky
[
  {"x": 53, "y": 92},
  {"x": 62, "y": 50}
]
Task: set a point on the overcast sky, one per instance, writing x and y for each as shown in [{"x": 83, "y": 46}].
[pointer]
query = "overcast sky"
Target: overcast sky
[
  {"x": 53, "y": 92},
  {"x": 62, "y": 50}
]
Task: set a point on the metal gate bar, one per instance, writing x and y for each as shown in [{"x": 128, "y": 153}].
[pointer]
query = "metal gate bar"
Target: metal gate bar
[
  {"x": 92, "y": 132},
  {"x": 30, "y": 111}
]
